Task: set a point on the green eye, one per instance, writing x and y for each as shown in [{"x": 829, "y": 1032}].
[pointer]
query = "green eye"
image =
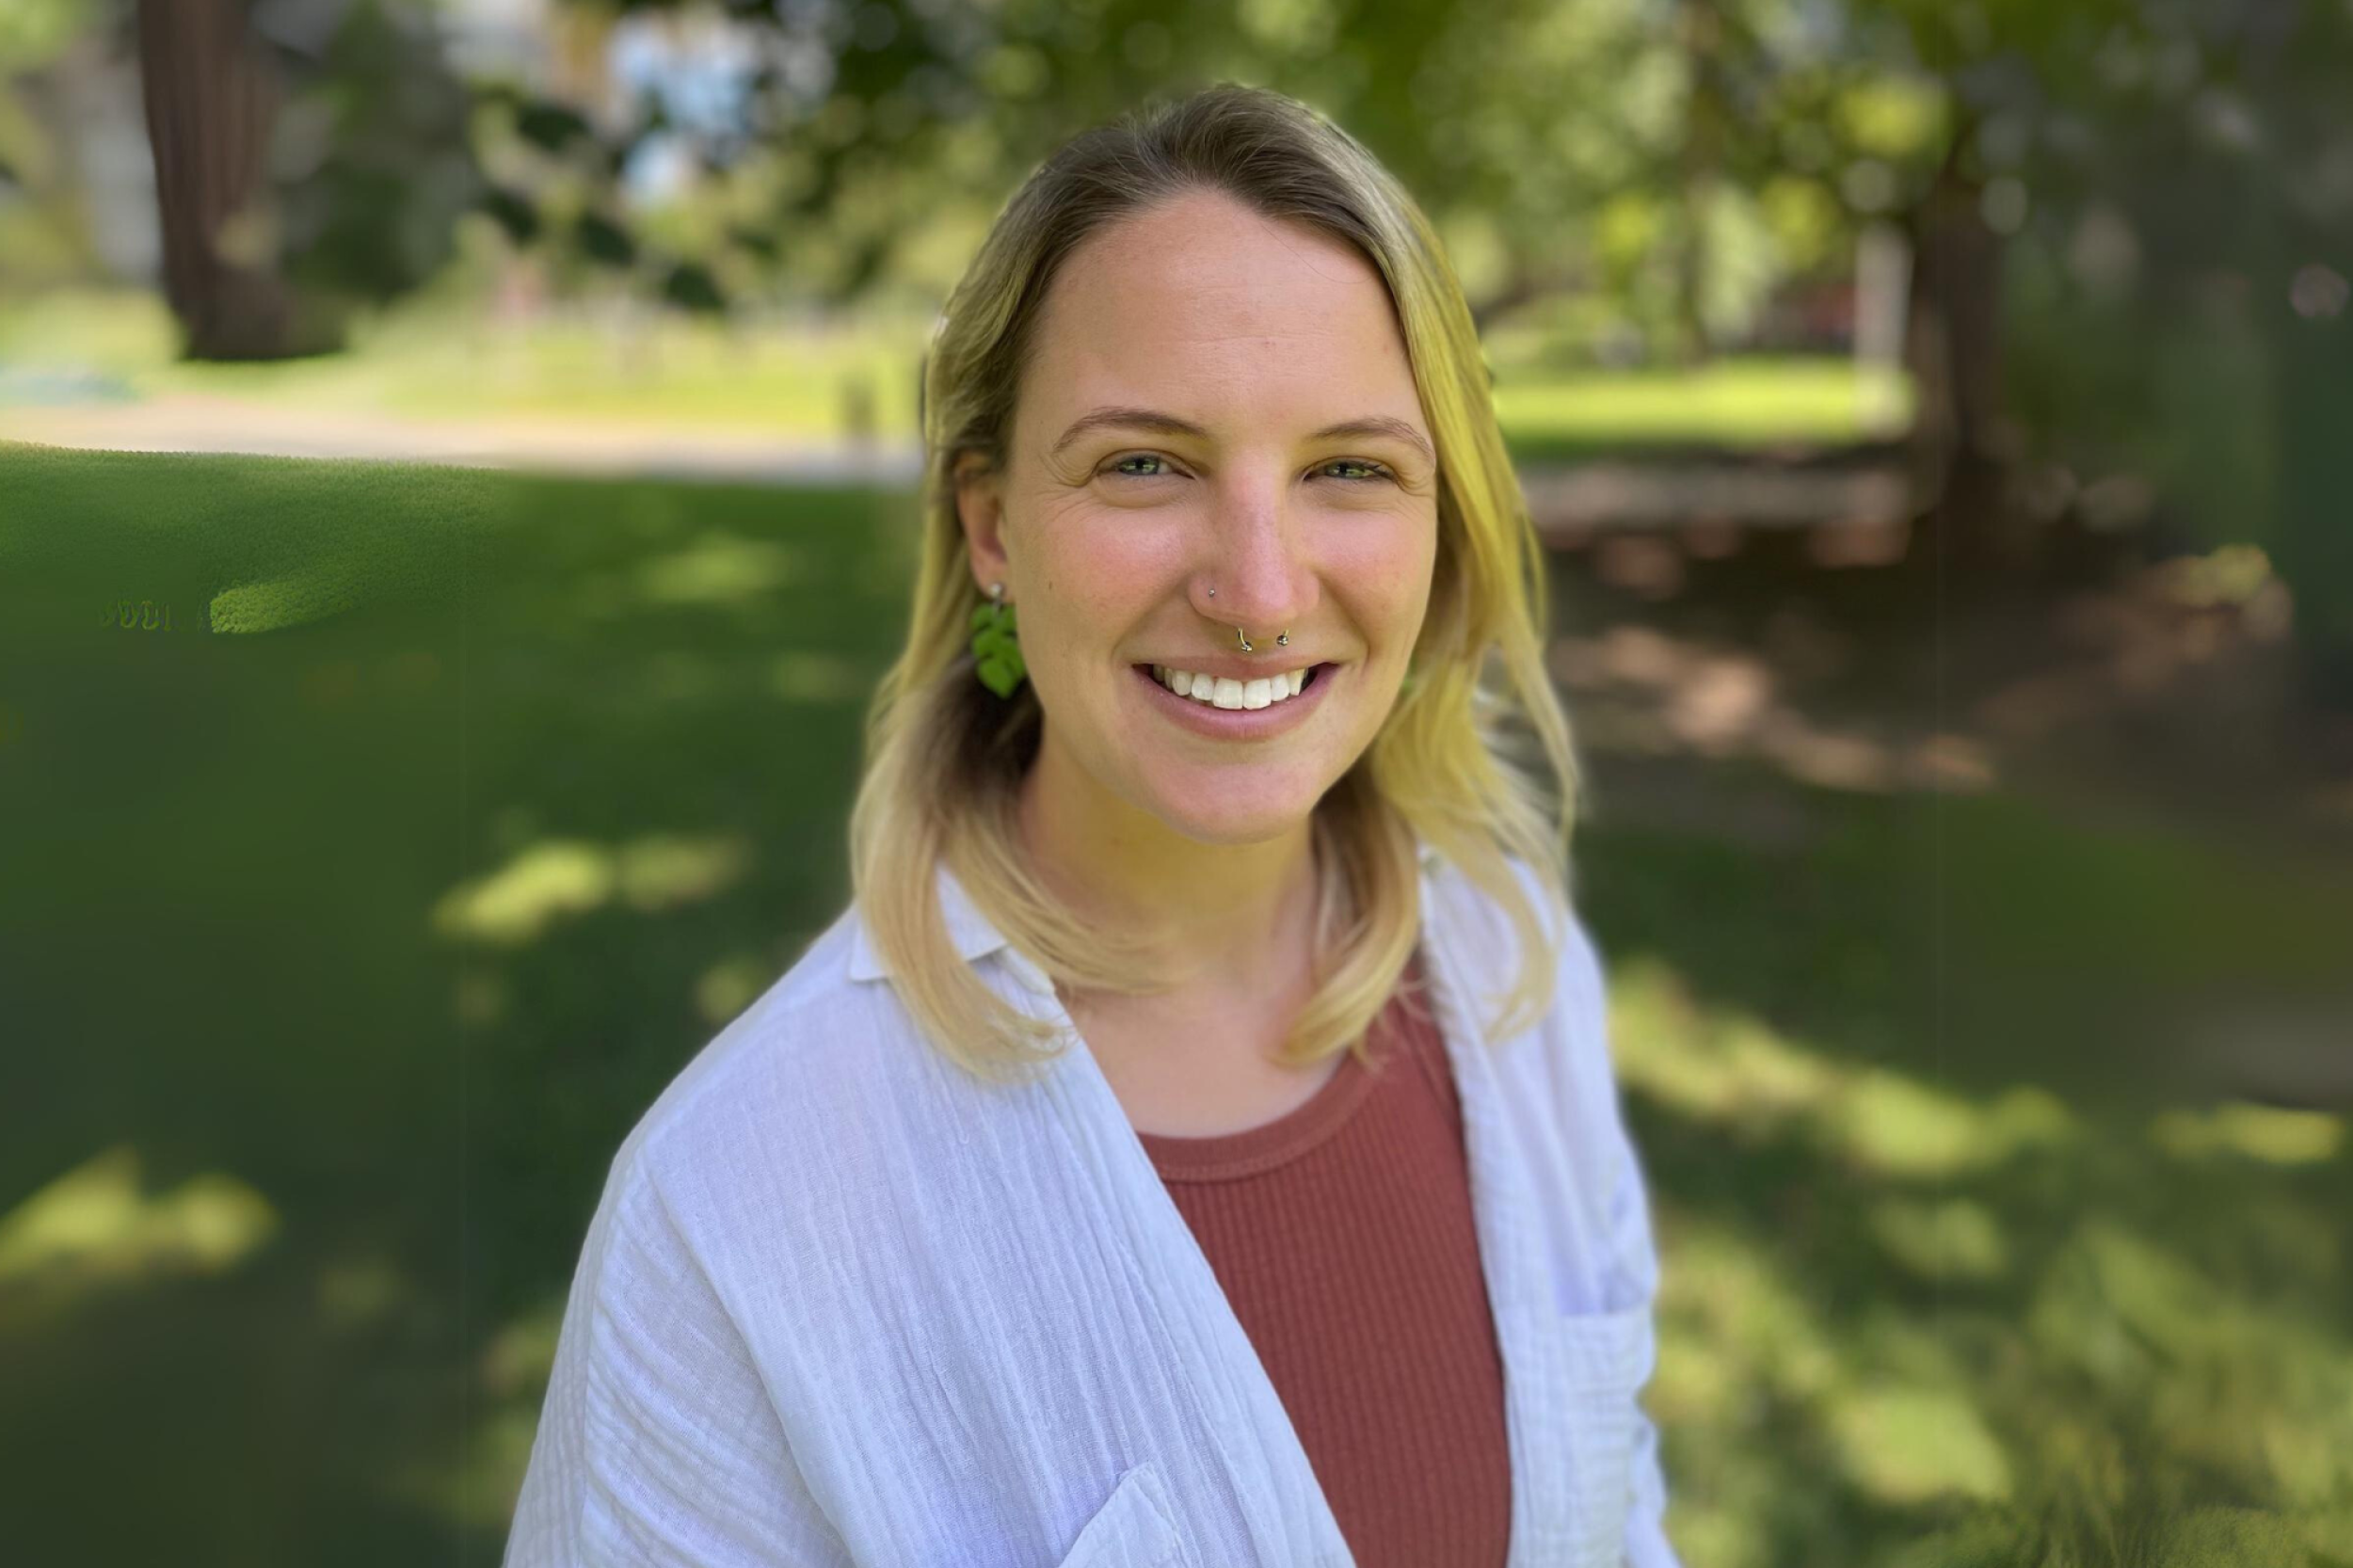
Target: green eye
[{"x": 1370, "y": 472}]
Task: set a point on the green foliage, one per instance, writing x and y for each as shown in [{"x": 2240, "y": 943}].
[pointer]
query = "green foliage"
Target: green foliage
[
  {"x": 33, "y": 32},
  {"x": 691, "y": 287},
  {"x": 514, "y": 214},
  {"x": 603, "y": 241},
  {"x": 551, "y": 127},
  {"x": 2178, "y": 306},
  {"x": 902, "y": 125},
  {"x": 378, "y": 164}
]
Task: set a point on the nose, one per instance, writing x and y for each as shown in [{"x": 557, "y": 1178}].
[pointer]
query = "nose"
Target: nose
[{"x": 1253, "y": 571}]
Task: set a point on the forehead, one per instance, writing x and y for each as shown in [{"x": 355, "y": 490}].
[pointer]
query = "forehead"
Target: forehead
[{"x": 1200, "y": 296}]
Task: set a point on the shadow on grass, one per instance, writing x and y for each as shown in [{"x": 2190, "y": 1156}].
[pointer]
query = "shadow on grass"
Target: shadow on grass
[
  {"x": 388, "y": 886},
  {"x": 392, "y": 903}
]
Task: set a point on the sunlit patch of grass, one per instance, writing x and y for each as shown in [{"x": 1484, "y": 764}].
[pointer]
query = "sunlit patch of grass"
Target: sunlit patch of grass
[
  {"x": 430, "y": 359},
  {"x": 2170, "y": 1310},
  {"x": 1885, "y": 1300},
  {"x": 729, "y": 985},
  {"x": 1745, "y": 1361},
  {"x": 535, "y": 888},
  {"x": 427, "y": 360},
  {"x": 1717, "y": 1063},
  {"x": 1956, "y": 1239},
  {"x": 662, "y": 871},
  {"x": 809, "y": 676},
  {"x": 1733, "y": 1330},
  {"x": 1909, "y": 1445},
  {"x": 2268, "y": 1134},
  {"x": 1894, "y": 1125},
  {"x": 116, "y": 331},
  {"x": 348, "y": 773},
  {"x": 1731, "y": 402},
  {"x": 2133, "y": 1317},
  {"x": 557, "y": 879},
  {"x": 717, "y": 568},
  {"x": 357, "y": 1291},
  {"x": 475, "y": 1482},
  {"x": 92, "y": 1229},
  {"x": 2070, "y": 1535},
  {"x": 2117, "y": 1305},
  {"x": 521, "y": 1355},
  {"x": 296, "y": 598},
  {"x": 1734, "y": 1069}
]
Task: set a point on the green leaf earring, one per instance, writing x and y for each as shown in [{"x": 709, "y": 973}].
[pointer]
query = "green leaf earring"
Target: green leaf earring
[{"x": 996, "y": 652}]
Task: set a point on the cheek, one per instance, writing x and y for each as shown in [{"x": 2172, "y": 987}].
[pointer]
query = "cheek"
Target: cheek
[
  {"x": 1389, "y": 569},
  {"x": 1102, "y": 565},
  {"x": 1090, "y": 592}
]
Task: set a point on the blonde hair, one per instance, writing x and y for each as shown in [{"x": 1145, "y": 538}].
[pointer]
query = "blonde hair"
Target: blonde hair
[{"x": 945, "y": 756}]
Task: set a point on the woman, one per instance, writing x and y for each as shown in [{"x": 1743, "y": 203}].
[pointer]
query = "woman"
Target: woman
[{"x": 1134, "y": 1174}]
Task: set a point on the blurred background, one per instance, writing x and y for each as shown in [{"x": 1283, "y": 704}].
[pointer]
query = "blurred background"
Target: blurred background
[{"x": 456, "y": 472}]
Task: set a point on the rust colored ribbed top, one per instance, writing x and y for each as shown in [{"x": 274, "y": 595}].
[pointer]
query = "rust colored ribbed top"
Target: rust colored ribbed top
[{"x": 1342, "y": 1233}]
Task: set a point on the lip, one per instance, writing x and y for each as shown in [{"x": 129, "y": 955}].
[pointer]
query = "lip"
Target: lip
[{"x": 1240, "y": 724}]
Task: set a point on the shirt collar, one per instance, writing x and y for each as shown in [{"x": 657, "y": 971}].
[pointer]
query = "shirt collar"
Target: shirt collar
[{"x": 970, "y": 932}]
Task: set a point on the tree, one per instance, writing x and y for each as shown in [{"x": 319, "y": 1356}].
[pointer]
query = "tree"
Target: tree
[
  {"x": 2181, "y": 179},
  {"x": 212, "y": 94},
  {"x": 302, "y": 171}
]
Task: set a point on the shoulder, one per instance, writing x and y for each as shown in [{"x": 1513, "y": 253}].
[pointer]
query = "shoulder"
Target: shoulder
[
  {"x": 1571, "y": 1065},
  {"x": 773, "y": 1092},
  {"x": 1481, "y": 931},
  {"x": 1562, "y": 1074}
]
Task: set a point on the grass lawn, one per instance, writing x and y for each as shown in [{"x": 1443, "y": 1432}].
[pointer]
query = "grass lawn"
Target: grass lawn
[
  {"x": 1956, "y": 1272},
  {"x": 355, "y": 917},
  {"x": 441, "y": 364}
]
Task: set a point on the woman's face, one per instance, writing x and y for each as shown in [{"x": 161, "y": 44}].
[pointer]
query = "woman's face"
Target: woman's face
[{"x": 1176, "y": 430}]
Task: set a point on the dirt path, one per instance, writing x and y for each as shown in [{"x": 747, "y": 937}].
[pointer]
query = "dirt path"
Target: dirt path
[{"x": 586, "y": 446}]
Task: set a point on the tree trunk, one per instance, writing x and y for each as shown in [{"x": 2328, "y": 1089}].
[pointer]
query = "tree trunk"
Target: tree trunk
[
  {"x": 1953, "y": 347},
  {"x": 212, "y": 94},
  {"x": 2312, "y": 366},
  {"x": 1701, "y": 28}
]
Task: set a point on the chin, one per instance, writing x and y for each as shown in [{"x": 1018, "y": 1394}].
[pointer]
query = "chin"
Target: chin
[
  {"x": 1266, "y": 816},
  {"x": 1228, "y": 836}
]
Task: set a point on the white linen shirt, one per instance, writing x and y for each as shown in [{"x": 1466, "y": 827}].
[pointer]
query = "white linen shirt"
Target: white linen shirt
[{"x": 843, "y": 1303}]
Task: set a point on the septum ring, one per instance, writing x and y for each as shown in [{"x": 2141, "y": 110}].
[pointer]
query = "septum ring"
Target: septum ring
[{"x": 1283, "y": 641}]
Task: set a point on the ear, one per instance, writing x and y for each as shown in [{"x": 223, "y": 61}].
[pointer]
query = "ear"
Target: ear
[{"x": 980, "y": 508}]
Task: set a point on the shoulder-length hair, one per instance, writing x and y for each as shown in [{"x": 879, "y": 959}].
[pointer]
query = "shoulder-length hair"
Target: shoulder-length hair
[{"x": 945, "y": 756}]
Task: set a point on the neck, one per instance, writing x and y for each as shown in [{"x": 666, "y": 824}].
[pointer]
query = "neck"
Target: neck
[{"x": 1237, "y": 917}]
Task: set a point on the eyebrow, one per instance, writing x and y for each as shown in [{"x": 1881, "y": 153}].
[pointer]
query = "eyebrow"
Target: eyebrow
[{"x": 1169, "y": 424}]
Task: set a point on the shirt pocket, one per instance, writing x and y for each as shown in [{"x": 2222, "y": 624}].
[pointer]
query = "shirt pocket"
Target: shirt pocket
[
  {"x": 1131, "y": 1529},
  {"x": 1605, "y": 1357}
]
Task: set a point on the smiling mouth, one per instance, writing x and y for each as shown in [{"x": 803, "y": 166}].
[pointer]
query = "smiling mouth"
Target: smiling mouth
[{"x": 1237, "y": 692}]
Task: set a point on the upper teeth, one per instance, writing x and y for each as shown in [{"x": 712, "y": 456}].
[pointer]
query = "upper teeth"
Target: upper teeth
[{"x": 1224, "y": 691}]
